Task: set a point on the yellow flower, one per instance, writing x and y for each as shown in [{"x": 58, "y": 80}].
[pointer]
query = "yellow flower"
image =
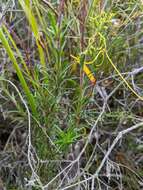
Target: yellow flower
[{"x": 86, "y": 70}]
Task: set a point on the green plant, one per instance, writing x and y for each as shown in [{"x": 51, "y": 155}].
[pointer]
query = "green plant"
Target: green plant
[
  {"x": 72, "y": 45},
  {"x": 66, "y": 138},
  {"x": 19, "y": 73}
]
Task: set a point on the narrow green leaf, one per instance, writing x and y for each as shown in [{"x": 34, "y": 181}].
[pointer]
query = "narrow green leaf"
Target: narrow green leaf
[
  {"x": 18, "y": 71},
  {"x": 17, "y": 50},
  {"x": 35, "y": 29}
]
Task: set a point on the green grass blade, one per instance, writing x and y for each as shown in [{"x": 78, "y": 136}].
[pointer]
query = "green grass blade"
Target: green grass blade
[
  {"x": 35, "y": 29},
  {"x": 35, "y": 85},
  {"x": 18, "y": 71},
  {"x": 17, "y": 50}
]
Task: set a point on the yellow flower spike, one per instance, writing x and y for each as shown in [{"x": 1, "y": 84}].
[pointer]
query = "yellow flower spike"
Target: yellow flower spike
[
  {"x": 89, "y": 74},
  {"x": 86, "y": 70}
]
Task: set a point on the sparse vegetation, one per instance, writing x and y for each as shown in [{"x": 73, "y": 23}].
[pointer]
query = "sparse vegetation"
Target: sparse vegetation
[{"x": 71, "y": 95}]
